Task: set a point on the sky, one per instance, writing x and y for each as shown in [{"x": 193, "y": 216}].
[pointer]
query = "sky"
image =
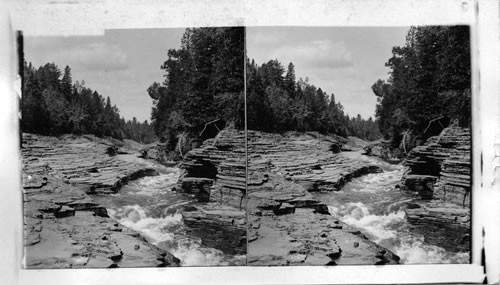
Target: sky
[
  {"x": 345, "y": 61},
  {"x": 122, "y": 64}
]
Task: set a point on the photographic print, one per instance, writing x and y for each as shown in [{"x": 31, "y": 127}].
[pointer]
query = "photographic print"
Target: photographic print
[
  {"x": 262, "y": 142},
  {"x": 359, "y": 145},
  {"x": 133, "y": 150}
]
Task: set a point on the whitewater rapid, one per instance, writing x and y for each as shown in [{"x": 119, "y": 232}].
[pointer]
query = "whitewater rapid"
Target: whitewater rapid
[
  {"x": 370, "y": 203},
  {"x": 374, "y": 205},
  {"x": 151, "y": 207}
]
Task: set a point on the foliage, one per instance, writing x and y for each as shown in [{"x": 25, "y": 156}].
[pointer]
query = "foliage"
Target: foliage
[
  {"x": 53, "y": 105},
  {"x": 277, "y": 102},
  {"x": 429, "y": 78},
  {"x": 204, "y": 82}
]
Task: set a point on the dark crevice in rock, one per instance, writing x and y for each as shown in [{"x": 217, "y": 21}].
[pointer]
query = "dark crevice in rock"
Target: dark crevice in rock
[
  {"x": 215, "y": 175},
  {"x": 440, "y": 173}
]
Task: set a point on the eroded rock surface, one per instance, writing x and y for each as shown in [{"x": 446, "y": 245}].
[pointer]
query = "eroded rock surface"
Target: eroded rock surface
[
  {"x": 218, "y": 226},
  {"x": 215, "y": 174},
  {"x": 86, "y": 162},
  {"x": 64, "y": 227},
  {"x": 287, "y": 225},
  {"x": 440, "y": 173}
]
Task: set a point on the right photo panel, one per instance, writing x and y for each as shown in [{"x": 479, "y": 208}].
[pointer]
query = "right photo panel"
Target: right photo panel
[{"x": 359, "y": 145}]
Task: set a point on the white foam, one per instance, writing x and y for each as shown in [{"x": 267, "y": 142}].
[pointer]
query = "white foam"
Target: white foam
[
  {"x": 379, "y": 227},
  {"x": 375, "y": 182},
  {"x": 151, "y": 185},
  {"x": 191, "y": 253},
  {"x": 415, "y": 251},
  {"x": 155, "y": 229},
  {"x": 389, "y": 231}
]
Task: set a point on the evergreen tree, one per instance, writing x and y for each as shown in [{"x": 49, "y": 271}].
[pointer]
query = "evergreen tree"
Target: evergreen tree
[
  {"x": 429, "y": 79},
  {"x": 203, "y": 86},
  {"x": 52, "y": 105}
]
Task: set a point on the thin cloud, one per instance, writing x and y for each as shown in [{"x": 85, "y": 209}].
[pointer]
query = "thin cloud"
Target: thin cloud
[
  {"x": 79, "y": 53},
  {"x": 98, "y": 56},
  {"x": 322, "y": 54}
]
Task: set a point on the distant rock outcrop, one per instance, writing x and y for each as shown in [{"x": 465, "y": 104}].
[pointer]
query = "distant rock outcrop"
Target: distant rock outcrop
[
  {"x": 158, "y": 152},
  {"x": 384, "y": 150}
]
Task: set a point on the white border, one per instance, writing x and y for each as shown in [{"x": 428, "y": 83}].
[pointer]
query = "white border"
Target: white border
[{"x": 71, "y": 17}]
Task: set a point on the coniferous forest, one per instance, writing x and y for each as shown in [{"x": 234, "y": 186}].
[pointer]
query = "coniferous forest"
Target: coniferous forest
[
  {"x": 278, "y": 102},
  {"x": 203, "y": 87},
  {"x": 430, "y": 78},
  {"x": 290, "y": 191},
  {"x": 203, "y": 92},
  {"x": 52, "y": 105}
]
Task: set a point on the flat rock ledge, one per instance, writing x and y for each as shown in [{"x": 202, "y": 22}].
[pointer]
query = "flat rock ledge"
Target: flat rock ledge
[
  {"x": 64, "y": 227},
  {"x": 287, "y": 225},
  {"x": 86, "y": 162},
  {"x": 439, "y": 172}
]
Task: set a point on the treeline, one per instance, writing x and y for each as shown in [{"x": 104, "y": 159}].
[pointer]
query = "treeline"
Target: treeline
[
  {"x": 52, "y": 104},
  {"x": 203, "y": 87},
  {"x": 430, "y": 79},
  {"x": 277, "y": 102}
]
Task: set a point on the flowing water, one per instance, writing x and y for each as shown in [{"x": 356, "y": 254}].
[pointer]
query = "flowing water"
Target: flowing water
[
  {"x": 371, "y": 203},
  {"x": 150, "y": 206},
  {"x": 374, "y": 205}
]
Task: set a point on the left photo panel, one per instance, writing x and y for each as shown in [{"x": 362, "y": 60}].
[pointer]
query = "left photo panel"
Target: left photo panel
[{"x": 133, "y": 148}]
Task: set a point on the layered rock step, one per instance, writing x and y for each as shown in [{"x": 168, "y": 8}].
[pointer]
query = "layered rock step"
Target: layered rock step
[
  {"x": 64, "y": 228},
  {"x": 215, "y": 174},
  {"x": 440, "y": 173},
  {"x": 217, "y": 168},
  {"x": 444, "y": 224},
  {"x": 218, "y": 226},
  {"x": 305, "y": 237},
  {"x": 287, "y": 225},
  {"x": 83, "y": 161},
  {"x": 448, "y": 158}
]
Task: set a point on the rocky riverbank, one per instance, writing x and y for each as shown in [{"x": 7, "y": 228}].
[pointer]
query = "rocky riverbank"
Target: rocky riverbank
[
  {"x": 287, "y": 225},
  {"x": 64, "y": 227},
  {"x": 440, "y": 174},
  {"x": 215, "y": 174}
]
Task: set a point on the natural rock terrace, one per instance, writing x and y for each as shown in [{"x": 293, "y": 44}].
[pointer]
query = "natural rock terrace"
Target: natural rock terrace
[
  {"x": 440, "y": 172},
  {"x": 287, "y": 226},
  {"x": 215, "y": 174},
  {"x": 64, "y": 227}
]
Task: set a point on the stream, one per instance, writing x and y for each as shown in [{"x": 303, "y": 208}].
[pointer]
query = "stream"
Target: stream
[
  {"x": 374, "y": 205},
  {"x": 370, "y": 203},
  {"x": 149, "y": 206}
]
